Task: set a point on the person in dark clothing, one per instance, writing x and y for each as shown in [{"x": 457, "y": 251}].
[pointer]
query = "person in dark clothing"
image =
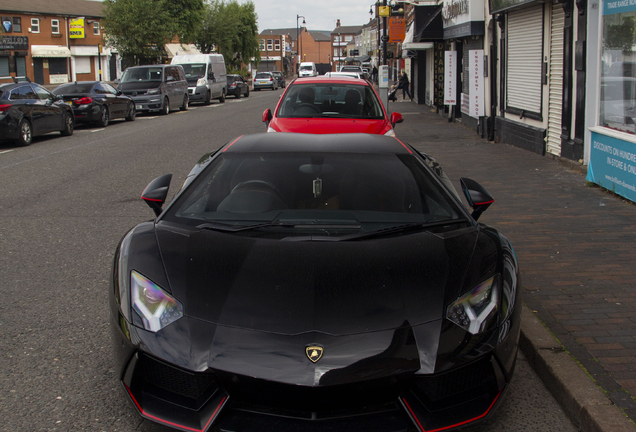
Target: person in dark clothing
[
  {"x": 374, "y": 74},
  {"x": 404, "y": 85}
]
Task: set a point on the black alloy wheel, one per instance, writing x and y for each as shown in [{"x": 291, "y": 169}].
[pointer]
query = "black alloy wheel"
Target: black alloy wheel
[
  {"x": 208, "y": 98},
  {"x": 26, "y": 133},
  {"x": 69, "y": 125},
  {"x": 103, "y": 117},
  {"x": 132, "y": 113},
  {"x": 222, "y": 98},
  {"x": 186, "y": 100},
  {"x": 247, "y": 93}
]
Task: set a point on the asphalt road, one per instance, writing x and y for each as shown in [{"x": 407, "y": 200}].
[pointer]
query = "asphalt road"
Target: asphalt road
[{"x": 65, "y": 202}]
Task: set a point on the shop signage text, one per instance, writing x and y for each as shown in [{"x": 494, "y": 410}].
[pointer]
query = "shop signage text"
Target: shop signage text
[
  {"x": 450, "y": 78},
  {"x": 76, "y": 26},
  {"x": 476, "y": 85},
  {"x": 454, "y": 9},
  {"x": 613, "y": 165},
  {"x": 14, "y": 43}
]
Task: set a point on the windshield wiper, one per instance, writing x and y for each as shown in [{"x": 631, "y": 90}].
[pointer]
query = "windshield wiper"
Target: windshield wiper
[{"x": 217, "y": 226}]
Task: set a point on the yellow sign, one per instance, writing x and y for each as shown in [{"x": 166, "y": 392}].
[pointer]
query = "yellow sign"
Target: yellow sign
[
  {"x": 76, "y": 26},
  {"x": 384, "y": 11}
]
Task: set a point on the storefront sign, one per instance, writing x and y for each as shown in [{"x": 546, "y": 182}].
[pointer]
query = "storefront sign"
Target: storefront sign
[
  {"x": 463, "y": 18},
  {"x": 14, "y": 43},
  {"x": 500, "y": 5},
  {"x": 58, "y": 79},
  {"x": 6, "y": 24},
  {"x": 611, "y": 7},
  {"x": 454, "y": 9},
  {"x": 438, "y": 74},
  {"x": 613, "y": 165},
  {"x": 476, "y": 84},
  {"x": 76, "y": 26},
  {"x": 450, "y": 78},
  {"x": 397, "y": 29}
]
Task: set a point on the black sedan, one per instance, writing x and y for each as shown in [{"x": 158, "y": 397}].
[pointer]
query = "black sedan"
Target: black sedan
[
  {"x": 237, "y": 86},
  {"x": 96, "y": 102},
  {"x": 315, "y": 282},
  {"x": 28, "y": 109}
]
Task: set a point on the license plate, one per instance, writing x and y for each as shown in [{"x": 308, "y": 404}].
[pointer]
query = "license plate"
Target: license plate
[{"x": 138, "y": 107}]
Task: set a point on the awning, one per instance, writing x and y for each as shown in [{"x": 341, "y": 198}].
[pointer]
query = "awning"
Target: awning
[
  {"x": 180, "y": 49},
  {"x": 417, "y": 45},
  {"x": 50, "y": 51}
]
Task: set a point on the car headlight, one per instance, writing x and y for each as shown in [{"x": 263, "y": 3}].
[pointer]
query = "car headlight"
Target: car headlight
[
  {"x": 152, "y": 92},
  {"x": 202, "y": 82},
  {"x": 390, "y": 133},
  {"x": 156, "y": 307},
  {"x": 473, "y": 310}
]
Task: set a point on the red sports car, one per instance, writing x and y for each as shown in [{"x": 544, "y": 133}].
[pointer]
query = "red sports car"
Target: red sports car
[{"x": 321, "y": 105}]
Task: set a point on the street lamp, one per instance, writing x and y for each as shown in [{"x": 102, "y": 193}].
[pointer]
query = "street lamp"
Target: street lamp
[{"x": 298, "y": 53}]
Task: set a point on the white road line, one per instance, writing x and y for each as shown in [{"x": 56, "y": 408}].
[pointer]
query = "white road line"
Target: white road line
[
  {"x": 97, "y": 130},
  {"x": 147, "y": 118},
  {"x": 6, "y": 151}
]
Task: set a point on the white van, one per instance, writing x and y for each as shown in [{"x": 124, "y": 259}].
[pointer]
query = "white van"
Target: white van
[
  {"x": 307, "y": 69},
  {"x": 206, "y": 76}
]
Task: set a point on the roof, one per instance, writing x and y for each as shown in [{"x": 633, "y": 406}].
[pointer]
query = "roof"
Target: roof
[
  {"x": 321, "y": 35},
  {"x": 347, "y": 30},
  {"x": 285, "y": 31},
  {"x": 54, "y": 7},
  {"x": 312, "y": 143}
]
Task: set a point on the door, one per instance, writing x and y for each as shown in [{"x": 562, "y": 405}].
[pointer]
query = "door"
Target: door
[
  {"x": 51, "y": 109},
  {"x": 38, "y": 71}
]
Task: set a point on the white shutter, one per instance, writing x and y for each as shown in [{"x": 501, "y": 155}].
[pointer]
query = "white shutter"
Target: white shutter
[
  {"x": 525, "y": 58},
  {"x": 556, "y": 80}
]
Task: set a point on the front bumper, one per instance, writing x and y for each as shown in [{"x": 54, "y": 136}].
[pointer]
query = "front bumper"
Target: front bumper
[
  {"x": 197, "y": 94},
  {"x": 148, "y": 103}
]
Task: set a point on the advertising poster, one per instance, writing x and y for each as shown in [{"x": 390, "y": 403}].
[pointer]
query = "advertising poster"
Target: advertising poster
[
  {"x": 613, "y": 165},
  {"x": 476, "y": 73},
  {"x": 397, "y": 29},
  {"x": 450, "y": 78},
  {"x": 76, "y": 28}
]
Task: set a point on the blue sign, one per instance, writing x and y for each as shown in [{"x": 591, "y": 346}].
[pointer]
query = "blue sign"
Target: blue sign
[
  {"x": 613, "y": 165},
  {"x": 7, "y": 25},
  {"x": 611, "y": 7}
]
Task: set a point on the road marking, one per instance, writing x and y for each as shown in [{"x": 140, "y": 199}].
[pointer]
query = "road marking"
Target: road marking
[
  {"x": 6, "y": 151},
  {"x": 147, "y": 118},
  {"x": 97, "y": 130}
]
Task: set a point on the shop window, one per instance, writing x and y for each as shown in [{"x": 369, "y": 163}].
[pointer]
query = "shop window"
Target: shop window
[
  {"x": 55, "y": 26},
  {"x": 17, "y": 25},
  {"x": 95, "y": 28},
  {"x": 35, "y": 25},
  {"x": 618, "y": 69},
  {"x": 57, "y": 66}
]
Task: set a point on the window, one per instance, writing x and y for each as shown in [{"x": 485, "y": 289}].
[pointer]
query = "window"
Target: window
[
  {"x": 348, "y": 38},
  {"x": 270, "y": 47},
  {"x": 95, "y": 28},
  {"x": 17, "y": 25},
  {"x": 276, "y": 45},
  {"x": 35, "y": 25},
  {"x": 82, "y": 65},
  {"x": 55, "y": 26},
  {"x": 262, "y": 45}
]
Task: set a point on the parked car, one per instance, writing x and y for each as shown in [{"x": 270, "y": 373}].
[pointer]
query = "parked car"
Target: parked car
[
  {"x": 307, "y": 69},
  {"x": 280, "y": 77},
  {"x": 237, "y": 86},
  {"x": 315, "y": 282},
  {"x": 342, "y": 74},
  {"x": 155, "y": 88},
  {"x": 265, "y": 80},
  {"x": 206, "y": 76},
  {"x": 96, "y": 102},
  {"x": 355, "y": 69},
  {"x": 331, "y": 105},
  {"x": 28, "y": 109}
]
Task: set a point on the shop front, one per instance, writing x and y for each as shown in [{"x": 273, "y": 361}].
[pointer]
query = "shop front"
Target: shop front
[
  {"x": 50, "y": 64},
  {"x": 611, "y": 89},
  {"x": 13, "y": 53}
]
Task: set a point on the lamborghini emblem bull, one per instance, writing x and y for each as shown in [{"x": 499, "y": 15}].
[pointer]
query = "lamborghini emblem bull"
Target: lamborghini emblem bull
[{"x": 314, "y": 353}]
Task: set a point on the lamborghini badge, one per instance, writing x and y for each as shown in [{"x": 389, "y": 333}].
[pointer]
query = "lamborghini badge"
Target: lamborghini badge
[{"x": 314, "y": 353}]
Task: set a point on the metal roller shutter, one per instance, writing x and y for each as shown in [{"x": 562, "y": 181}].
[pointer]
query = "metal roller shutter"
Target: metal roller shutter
[
  {"x": 525, "y": 57},
  {"x": 4, "y": 66},
  {"x": 556, "y": 80}
]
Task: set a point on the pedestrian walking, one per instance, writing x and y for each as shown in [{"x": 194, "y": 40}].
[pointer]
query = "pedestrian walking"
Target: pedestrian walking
[
  {"x": 374, "y": 74},
  {"x": 404, "y": 85}
]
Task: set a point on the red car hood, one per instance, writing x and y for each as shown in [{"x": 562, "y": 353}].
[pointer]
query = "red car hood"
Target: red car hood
[{"x": 325, "y": 126}]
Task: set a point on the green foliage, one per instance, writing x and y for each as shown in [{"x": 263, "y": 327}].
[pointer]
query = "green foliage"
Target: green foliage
[
  {"x": 621, "y": 36},
  {"x": 230, "y": 29}
]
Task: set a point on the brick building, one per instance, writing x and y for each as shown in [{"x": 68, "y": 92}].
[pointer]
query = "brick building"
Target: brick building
[
  {"x": 52, "y": 42},
  {"x": 342, "y": 36},
  {"x": 275, "y": 47}
]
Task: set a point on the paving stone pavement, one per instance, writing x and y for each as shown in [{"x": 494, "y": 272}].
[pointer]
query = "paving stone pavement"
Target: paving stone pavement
[{"x": 576, "y": 243}]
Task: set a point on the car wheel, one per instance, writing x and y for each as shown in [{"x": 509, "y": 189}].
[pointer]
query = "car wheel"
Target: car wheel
[
  {"x": 132, "y": 113},
  {"x": 238, "y": 94},
  {"x": 247, "y": 93},
  {"x": 222, "y": 98},
  {"x": 103, "y": 117},
  {"x": 208, "y": 98},
  {"x": 69, "y": 125},
  {"x": 26, "y": 133},
  {"x": 186, "y": 100},
  {"x": 165, "y": 109}
]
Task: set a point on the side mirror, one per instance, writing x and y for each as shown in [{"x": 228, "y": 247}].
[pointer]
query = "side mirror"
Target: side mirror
[
  {"x": 267, "y": 116},
  {"x": 118, "y": 93},
  {"x": 476, "y": 195},
  {"x": 156, "y": 192},
  {"x": 396, "y": 118},
  {"x": 116, "y": 81}
]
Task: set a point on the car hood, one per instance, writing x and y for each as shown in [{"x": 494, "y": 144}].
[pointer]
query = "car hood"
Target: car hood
[
  {"x": 336, "y": 288},
  {"x": 321, "y": 125}
]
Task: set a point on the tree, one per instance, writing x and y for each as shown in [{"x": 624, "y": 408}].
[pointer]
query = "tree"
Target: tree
[{"x": 188, "y": 15}]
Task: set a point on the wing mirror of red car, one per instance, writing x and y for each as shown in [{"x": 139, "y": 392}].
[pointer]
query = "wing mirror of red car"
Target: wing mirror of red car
[
  {"x": 267, "y": 116},
  {"x": 156, "y": 192},
  {"x": 476, "y": 195},
  {"x": 396, "y": 118}
]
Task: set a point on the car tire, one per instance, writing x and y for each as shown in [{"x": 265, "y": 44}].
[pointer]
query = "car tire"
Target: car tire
[
  {"x": 26, "y": 133},
  {"x": 165, "y": 109},
  {"x": 186, "y": 101},
  {"x": 69, "y": 125},
  {"x": 208, "y": 98},
  {"x": 247, "y": 93},
  {"x": 104, "y": 117},
  {"x": 132, "y": 113},
  {"x": 238, "y": 94},
  {"x": 222, "y": 98}
]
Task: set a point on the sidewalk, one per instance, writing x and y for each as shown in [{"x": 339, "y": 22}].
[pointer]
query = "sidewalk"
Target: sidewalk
[{"x": 576, "y": 246}]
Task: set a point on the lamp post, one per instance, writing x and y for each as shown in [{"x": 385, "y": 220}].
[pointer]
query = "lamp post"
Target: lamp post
[{"x": 298, "y": 52}]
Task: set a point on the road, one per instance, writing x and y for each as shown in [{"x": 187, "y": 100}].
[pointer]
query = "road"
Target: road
[{"x": 65, "y": 202}]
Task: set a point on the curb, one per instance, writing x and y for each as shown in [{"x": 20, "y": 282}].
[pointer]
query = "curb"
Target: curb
[{"x": 586, "y": 405}]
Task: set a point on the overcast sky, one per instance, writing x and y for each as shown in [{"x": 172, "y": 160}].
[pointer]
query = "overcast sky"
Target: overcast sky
[{"x": 319, "y": 14}]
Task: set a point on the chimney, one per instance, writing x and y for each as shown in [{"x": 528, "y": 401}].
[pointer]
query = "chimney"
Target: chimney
[{"x": 337, "y": 23}]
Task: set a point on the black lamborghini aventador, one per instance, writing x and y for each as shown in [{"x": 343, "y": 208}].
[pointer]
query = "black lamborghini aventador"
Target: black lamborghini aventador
[{"x": 315, "y": 283}]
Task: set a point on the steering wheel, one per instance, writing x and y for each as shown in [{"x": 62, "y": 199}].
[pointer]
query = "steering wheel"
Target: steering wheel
[
  {"x": 259, "y": 184},
  {"x": 310, "y": 107}
]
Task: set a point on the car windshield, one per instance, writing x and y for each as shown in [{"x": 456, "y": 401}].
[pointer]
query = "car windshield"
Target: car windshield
[
  {"x": 74, "y": 88},
  {"x": 306, "y": 68},
  {"x": 263, "y": 75},
  {"x": 310, "y": 189},
  {"x": 142, "y": 74},
  {"x": 337, "y": 100},
  {"x": 194, "y": 70}
]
